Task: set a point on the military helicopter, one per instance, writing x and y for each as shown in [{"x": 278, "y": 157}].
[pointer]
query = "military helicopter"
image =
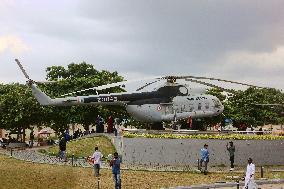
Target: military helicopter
[{"x": 171, "y": 101}]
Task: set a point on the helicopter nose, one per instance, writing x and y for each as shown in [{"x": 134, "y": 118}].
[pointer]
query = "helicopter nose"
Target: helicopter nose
[{"x": 219, "y": 110}]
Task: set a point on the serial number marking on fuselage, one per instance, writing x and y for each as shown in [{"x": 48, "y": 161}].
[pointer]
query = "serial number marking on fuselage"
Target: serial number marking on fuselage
[{"x": 107, "y": 99}]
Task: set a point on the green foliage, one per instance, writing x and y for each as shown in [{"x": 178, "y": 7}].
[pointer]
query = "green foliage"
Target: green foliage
[
  {"x": 205, "y": 136},
  {"x": 217, "y": 93},
  {"x": 77, "y": 77},
  {"x": 242, "y": 107},
  {"x": 19, "y": 109}
]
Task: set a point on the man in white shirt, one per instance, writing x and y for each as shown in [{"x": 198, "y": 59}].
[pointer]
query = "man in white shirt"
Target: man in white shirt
[
  {"x": 96, "y": 157},
  {"x": 249, "y": 179}
]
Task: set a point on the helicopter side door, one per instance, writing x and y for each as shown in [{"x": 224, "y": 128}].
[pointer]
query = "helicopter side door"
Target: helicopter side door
[{"x": 166, "y": 108}]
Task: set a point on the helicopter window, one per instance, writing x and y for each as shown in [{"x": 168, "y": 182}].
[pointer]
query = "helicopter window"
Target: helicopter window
[
  {"x": 190, "y": 107},
  {"x": 168, "y": 109},
  {"x": 199, "y": 106},
  {"x": 207, "y": 105},
  {"x": 201, "y": 98},
  {"x": 182, "y": 107}
]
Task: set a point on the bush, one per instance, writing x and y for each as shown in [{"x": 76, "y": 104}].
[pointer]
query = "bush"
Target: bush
[{"x": 206, "y": 136}]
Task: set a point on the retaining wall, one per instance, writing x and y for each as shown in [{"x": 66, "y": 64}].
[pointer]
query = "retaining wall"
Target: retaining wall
[{"x": 179, "y": 152}]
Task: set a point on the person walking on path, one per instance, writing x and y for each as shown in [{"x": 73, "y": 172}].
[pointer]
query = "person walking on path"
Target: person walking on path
[
  {"x": 249, "y": 178},
  {"x": 204, "y": 153},
  {"x": 231, "y": 149},
  {"x": 115, "y": 164},
  {"x": 32, "y": 137},
  {"x": 96, "y": 158},
  {"x": 62, "y": 149}
]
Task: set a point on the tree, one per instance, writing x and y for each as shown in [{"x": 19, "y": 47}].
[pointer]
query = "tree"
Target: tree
[
  {"x": 77, "y": 77},
  {"x": 18, "y": 107},
  {"x": 243, "y": 109}
]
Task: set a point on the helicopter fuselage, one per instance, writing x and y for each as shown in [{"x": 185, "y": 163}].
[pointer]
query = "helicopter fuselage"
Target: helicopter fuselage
[{"x": 168, "y": 103}]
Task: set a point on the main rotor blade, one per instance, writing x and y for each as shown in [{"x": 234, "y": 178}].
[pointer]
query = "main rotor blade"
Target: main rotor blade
[
  {"x": 98, "y": 88},
  {"x": 269, "y": 105},
  {"x": 146, "y": 85},
  {"x": 212, "y": 79},
  {"x": 210, "y": 85},
  {"x": 45, "y": 82}
]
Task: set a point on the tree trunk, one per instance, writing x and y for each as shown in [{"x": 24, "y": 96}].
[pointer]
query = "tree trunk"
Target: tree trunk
[{"x": 24, "y": 134}]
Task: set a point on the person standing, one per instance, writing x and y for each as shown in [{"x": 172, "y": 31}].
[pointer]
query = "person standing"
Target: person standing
[
  {"x": 115, "y": 164},
  {"x": 32, "y": 136},
  {"x": 231, "y": 149},
  {"x": 249, "y": 178},
  {"x": 110, "y": 124},
  {"x": 204, "y": 153},
  {"x": 96, "y": 157},
  {"x": 62, "y": 149},
  {"x": 189, "y": 122}
]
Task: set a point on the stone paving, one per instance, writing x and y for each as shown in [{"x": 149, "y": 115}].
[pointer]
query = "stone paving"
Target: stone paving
[{"x": 36, "y": 157}]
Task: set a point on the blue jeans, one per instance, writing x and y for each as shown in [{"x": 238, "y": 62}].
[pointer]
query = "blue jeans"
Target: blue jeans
[
  {"x": 62, "y": 155},
  {"x": 116, "y": 179}
]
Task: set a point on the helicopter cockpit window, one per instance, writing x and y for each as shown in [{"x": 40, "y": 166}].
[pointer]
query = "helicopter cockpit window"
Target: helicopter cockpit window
[
  {"x": 182, "y": 107},
  {"x": 217, "y": 103}
]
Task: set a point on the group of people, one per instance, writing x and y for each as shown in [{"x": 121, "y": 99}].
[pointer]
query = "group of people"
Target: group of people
[
  {"x": 250, "y": 171},
  {"x": 114, "y": 162},
  {"x": 5, "y": 141},
  {"x": 110, "y": 125}
]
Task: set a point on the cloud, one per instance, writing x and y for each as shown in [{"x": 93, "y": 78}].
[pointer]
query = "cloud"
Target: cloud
[
  {"x": 259, "y": 68},
  {"x": 12, "y": 43},
  {"x": 143, "y": 38}
]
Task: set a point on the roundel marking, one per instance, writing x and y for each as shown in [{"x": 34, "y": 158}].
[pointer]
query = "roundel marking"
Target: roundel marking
[{"x": 159, "y": 108}]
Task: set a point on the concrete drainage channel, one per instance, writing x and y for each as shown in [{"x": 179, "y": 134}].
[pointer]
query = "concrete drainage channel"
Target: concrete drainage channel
[{"x": 230, "y": 184}]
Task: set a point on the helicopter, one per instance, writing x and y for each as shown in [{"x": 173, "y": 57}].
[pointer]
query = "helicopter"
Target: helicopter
[{"x": 171, "y": 101}]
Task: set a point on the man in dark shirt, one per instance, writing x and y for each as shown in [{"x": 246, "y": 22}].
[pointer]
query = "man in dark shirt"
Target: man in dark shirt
[
  {"x": 231, "y": 149},
  {"x": 62, "y": 149},
  {"x": 32, "y": 136},
  {"x": 115, "y": 164}
]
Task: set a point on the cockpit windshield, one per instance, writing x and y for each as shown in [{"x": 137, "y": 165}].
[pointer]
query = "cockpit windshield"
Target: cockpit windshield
[{"x": 217, "y": 103}]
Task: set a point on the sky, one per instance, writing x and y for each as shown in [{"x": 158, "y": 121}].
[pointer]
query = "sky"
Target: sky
[{"x": 235, "y": 40}]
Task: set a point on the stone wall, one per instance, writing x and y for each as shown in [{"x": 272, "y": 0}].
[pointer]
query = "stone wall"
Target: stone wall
[{"x": 186, "y": 151}]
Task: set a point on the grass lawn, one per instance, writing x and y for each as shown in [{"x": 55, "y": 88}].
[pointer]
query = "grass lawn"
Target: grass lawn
[
  {"x": 16, "y": 174},
  {"x": 86, "y": 146}
]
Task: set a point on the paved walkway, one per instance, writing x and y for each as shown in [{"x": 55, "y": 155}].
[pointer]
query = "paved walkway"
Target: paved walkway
[{"x": 33, "y": 156}]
